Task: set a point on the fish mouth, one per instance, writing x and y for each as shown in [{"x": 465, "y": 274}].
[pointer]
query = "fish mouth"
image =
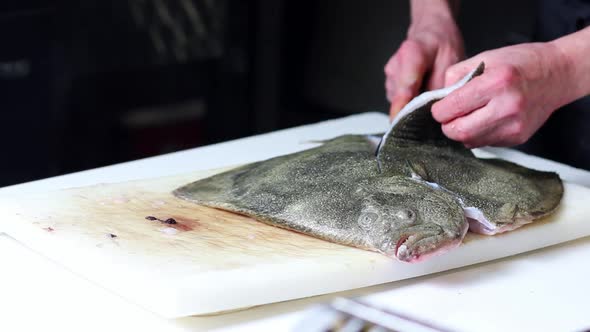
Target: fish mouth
[
  {"x": 412, "y": 248},
  {"x": 405, "y": 249},
  {"x": 402, "y": 241}
]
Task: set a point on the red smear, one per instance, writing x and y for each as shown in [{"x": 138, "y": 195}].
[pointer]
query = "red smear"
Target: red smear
[
  {"x": 181, "y": 224},
  {"x": 184, "y": 224},
  {"x": 48, "y": 229}
]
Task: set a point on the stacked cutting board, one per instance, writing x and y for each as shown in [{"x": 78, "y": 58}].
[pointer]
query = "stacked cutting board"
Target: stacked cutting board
[{"x": 177, "y": 259}]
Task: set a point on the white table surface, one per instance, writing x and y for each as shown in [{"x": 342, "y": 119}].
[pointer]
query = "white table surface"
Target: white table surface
[{"x": 544, "y": 290}]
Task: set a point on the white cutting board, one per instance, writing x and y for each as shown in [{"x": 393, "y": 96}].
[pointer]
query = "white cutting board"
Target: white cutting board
[{"x": 214, "y": 261}]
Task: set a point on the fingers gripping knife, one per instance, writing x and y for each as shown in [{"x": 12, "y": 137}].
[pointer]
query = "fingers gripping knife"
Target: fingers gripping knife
[{"x": 415, "y": 123}]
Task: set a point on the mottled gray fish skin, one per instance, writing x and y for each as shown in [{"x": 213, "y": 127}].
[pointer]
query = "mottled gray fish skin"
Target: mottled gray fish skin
[
  {"x": 410, "y": 202},
  {"x": 334, "y": 192},
  {"x": 497, "y": 195},
  {"x": 500, "y": 195},
  {"x": 414, "y": 123}
]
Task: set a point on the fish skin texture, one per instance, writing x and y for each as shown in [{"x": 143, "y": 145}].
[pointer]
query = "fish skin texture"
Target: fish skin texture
[
  {"x": 416, "y": 199},
  {"x": 334, "y": 192},
  {"x": 506, "y": 195}
]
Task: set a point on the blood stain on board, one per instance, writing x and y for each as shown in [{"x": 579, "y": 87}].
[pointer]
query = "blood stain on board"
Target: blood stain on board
[{"x": 179, "y": 223}]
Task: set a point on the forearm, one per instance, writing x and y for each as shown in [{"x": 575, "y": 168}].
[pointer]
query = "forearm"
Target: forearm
[
  {"x": 432, "y": 14},
  {"x": 574, "y": 50},
  {"x": 421, "y": 8}
]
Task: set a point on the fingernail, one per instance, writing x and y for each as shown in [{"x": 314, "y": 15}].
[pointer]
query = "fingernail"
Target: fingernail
[
  {"x": 409, "y": 79},
  {"x": 392, "y": 112},
  {"x": 396, "y": 106}
]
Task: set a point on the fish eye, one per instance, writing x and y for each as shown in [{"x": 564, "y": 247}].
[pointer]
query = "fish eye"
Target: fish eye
[
  {"x": 406, "y": 214},
  {"x": 367, "y": 218}
]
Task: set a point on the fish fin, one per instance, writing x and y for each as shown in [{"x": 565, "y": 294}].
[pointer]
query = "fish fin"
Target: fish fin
[
  {"x": 374, "y": 139},
  {"x": 314, "y": 141},
  {"x": 414, "y": 124},
  {"x": 418, "y": 169}
]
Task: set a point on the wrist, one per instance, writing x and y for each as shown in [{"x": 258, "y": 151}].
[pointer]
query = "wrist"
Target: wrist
[
  {"x": 435, "y": 15},
  {"x": 572, "y": 56},
  {"x": 420, "y": 9}
]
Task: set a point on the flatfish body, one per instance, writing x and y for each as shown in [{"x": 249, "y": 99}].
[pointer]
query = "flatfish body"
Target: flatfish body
[
  {"x": 335, "y": 192},
  {"x": 412, "y": 196}
]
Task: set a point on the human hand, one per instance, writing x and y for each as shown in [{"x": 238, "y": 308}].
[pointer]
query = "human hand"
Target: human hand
[
  {"x": 432, "y": 45},
  {"x": 520, "y": 88}
]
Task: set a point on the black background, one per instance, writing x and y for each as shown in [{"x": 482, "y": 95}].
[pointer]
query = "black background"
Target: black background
[{"x": 76, "y": 76}]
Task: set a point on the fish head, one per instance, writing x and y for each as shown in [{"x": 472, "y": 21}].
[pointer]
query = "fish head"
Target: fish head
[{"x": 409, "y": 220}]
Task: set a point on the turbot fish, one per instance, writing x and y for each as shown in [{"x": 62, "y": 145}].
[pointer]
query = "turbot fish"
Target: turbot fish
[
  {"x": 335, "y": 192},
  {"x": 412, "y": 196}
]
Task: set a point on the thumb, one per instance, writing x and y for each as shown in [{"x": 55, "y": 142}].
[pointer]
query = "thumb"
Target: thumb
[
  {"x": 401, "y": 98},
  {"x": 457, "y": 71},
  {"x": 405, "y": 73}
]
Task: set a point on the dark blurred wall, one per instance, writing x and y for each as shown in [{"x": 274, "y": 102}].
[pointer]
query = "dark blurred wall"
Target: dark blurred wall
[
  {"x": 92, "y": 83},
  {"x": 27, "y": 93},
  {"x": 353, "y": 41}
]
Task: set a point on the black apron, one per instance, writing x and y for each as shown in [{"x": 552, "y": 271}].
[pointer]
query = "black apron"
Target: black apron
[{"x": 565, "y": 137}]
